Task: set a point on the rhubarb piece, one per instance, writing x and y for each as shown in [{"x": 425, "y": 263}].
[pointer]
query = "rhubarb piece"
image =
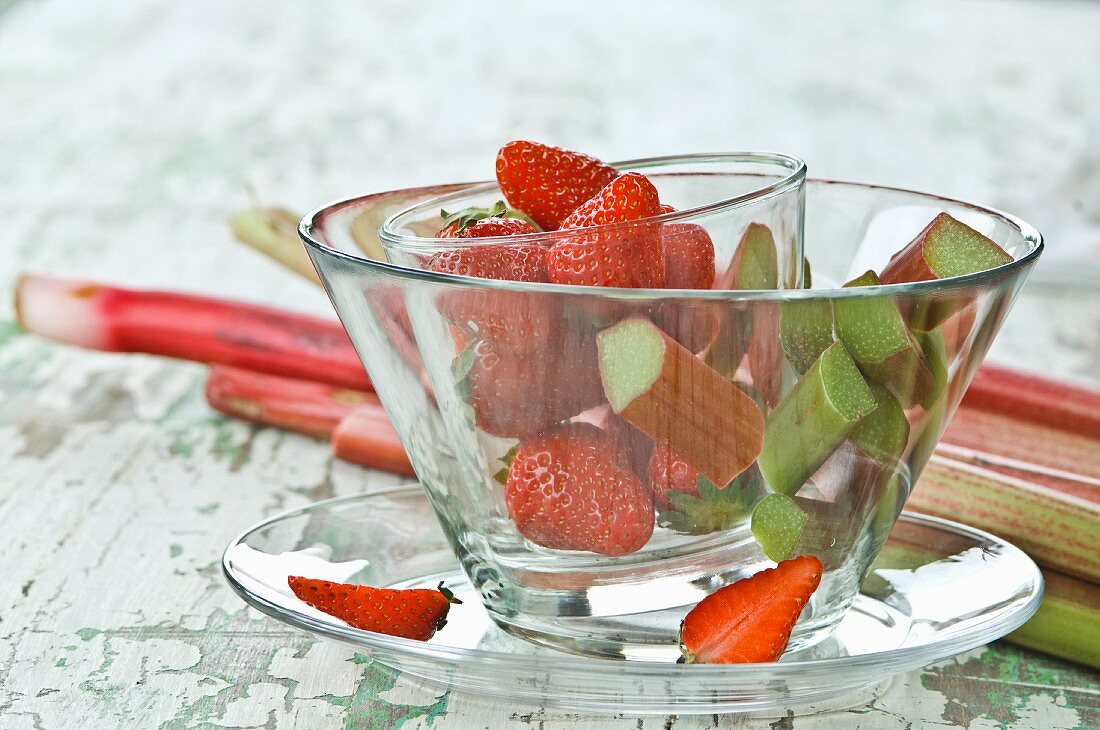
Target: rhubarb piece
[
  {"x": 873, "y": 446},
  {"x": 813, "y": 420},
  {"x": 750, "y": 620},
  {"x": 777, "y": 523},
  {"x": 946, "y": 247},
  {"x": 765, "y": 352},
  {"x": 274, "y": 233},
  {"x": 933, "y": 349},
  {"x": 876, "y": 335},
  {"x": 1055, "y": 529},
  {"x": 1057, "y": 403},
  {"x": 189, "y": 327},
  {"x": 366, "y": 437},
  {"x": 303, "y": 406},
  {"x": 806, "y": 330},
  {"x": 754, "y": 266},
  {"x": 676, "y": 399},
  {"x": 415, "y": 613},
  {"x": 1067, "y": 624},
  {"x": 704, "y": 508}
]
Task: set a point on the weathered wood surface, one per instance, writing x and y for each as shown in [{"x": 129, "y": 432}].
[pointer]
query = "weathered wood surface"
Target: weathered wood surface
[{"x": 130, "y": 132}]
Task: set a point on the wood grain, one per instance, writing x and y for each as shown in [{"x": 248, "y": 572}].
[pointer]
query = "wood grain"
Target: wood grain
[{"x": 132, "y": 131}]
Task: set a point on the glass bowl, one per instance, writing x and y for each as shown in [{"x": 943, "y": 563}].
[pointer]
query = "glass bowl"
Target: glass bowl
[{"x": 602, "y": 459}]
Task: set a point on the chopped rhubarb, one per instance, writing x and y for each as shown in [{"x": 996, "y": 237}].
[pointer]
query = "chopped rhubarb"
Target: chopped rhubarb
[
  {"x": 946, "y": 247},
  {"x": 813, "y": 420},
  {"x": 879, "y": 340},
  {"x": 754, "y": 266},
  {"x": 777, "y": 523},
  {"x": 189, "y": 327},
  {"x": 676, "y": 399},
  {"x": 806, "y": 331},
  {"x": 304, "y": 406}
]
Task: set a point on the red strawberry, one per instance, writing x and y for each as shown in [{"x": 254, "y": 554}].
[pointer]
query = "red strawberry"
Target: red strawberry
[
  {"x": 519, "y": 395},
  {"x": 521, "y": 262},
  {"x": 569, "y": 490},
  {"x": 689, "y": 256},
  {"x": 669, "y": 472},
  {"x": 516, "y": 321},
  {"x": 750, "y": 620},
  {"x": 413, "y": 614},
  {"x": 548, "y": 183},
  {"x": 630, "y": 258}
]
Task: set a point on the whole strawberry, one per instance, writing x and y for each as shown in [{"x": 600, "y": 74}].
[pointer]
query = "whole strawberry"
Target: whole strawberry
[
  {"x": 750, "y": 620},
  {"x": 517, "y": 321},
  {"x": 412, "y": 613},
  {"x": 629, "y": 257},
  {"x": 689, "y": 256},
  {"x": 548, "y": 183},
  {"x": 569, "y": 490},
  {"x": 519, "y": 395},
  {"x": 668, "y": 472}
]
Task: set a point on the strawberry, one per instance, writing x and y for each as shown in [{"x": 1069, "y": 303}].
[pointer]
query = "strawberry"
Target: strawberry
[
  {"x": 515, "y": 321},
  {"x": 518, "y": 395},
  {"x": 750, "y": 620},
  {"x": 413, "y": 613},
  {"x": 630, "y": 257},
  {"x": 666, "y": 472},
  {"x": 689, "y": 256},
  {"x": 570, "y": 490},
  {"x": 548, "y": 183}
]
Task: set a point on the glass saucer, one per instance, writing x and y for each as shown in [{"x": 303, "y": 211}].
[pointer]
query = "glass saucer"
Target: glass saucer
[{"x": 938, "y": 588}]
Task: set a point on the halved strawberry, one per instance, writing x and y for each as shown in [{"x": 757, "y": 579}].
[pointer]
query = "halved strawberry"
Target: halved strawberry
[
  {"x": 412, "y": 613},
  {"x": 630, "y": 258},
  {"x": 548, "y": 183},
  {"x": 570, "y": 489},
  {"x": 750, "y": 620}
]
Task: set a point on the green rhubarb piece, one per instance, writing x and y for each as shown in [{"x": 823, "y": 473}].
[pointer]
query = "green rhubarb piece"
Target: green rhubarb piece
[
  {"x": 813, "y": 420},
  {"x": 756, "y": 262},
  {"x": 934, "y": 349},
  {"x": 879, "y": 340},
  {"x": 884, "y": 434},
  {"x": 806, "y": 330},
  {"x": 807, "y": 275},
  {"x": 946, "y": 247},
  {"x": 777, "y": 523}
]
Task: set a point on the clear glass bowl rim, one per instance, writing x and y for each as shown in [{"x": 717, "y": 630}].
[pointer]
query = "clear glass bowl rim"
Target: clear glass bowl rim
[
  {"x": 794, "y": 177},
  {"x": 932, "y": 651},
  {"x": 311, "y": 225}
]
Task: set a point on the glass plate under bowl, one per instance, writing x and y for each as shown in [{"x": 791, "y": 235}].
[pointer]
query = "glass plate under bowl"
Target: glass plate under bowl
[{"x": 938, "y": 588}]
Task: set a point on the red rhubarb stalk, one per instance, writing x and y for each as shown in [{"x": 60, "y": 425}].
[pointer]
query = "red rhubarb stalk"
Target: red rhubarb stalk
[
  {"x": 303, "y": 406},
  {"x": 366, "y": 437},
  {"x": 1071, "y": 407},
  {"x": 189, "y": 327}
]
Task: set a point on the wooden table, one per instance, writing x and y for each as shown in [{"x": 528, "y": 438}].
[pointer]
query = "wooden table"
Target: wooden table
[{"x": 131, "y": 130}]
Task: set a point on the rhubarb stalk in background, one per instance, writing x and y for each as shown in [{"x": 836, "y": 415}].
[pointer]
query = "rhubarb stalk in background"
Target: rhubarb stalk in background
[
  {"x": 189, "y": 327},
  {"x": 303, "y": 406}
]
